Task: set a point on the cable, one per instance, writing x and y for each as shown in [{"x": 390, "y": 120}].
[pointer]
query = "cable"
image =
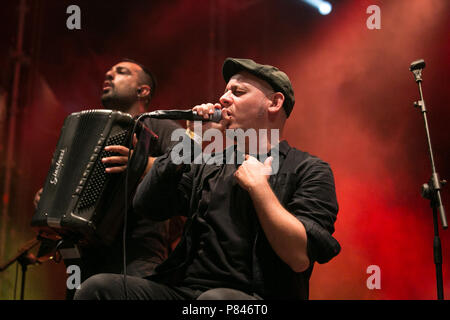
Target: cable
[{"x": 125, "y": 218}]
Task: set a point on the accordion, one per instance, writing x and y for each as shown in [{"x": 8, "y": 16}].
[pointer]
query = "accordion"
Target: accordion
[{"x": 80, "y": 200}]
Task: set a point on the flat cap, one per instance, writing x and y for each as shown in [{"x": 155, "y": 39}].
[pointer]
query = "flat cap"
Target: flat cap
[{"x": 277, "y": 79}]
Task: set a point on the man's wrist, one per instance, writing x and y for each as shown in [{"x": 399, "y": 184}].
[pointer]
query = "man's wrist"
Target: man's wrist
[{"x": 259, "y": 187}]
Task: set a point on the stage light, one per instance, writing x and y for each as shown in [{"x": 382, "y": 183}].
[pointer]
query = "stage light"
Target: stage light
[{"x": 324, "y": 7}]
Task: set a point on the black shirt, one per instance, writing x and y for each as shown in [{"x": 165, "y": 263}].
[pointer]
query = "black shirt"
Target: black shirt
[
  {"x": 149, "y": 240},
  {"x": 223, "y": 233},
  {"x": 223, "y": 244}
]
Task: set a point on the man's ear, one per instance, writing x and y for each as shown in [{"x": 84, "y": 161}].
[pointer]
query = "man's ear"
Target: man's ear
[
  {"x": 143, "y": 91},
  {"x": 277, "y": 102}
]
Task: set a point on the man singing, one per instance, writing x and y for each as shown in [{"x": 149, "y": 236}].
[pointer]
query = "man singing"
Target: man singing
[{"x": 249, "y": 234}]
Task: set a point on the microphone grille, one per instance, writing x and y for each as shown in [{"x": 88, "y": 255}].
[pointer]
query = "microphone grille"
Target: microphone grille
[
  {"x": 418, "y": 64},
  {"x": 216, "y": 116}
]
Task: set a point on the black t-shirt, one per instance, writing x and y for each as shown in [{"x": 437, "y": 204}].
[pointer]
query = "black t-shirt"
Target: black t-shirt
[
  {"x": 148, "y": 241},
  {"x": 163, "y": 130}
]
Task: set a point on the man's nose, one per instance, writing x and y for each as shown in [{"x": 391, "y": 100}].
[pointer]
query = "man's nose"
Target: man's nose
[
  {"x": 226, "y": 100},
  {"x": 109, "y": 75}
]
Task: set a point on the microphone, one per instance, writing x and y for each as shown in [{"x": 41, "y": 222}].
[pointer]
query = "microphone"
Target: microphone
[
  {"x": 183, "y": 115},
  {"x": 416, "y": 68},
  {"x": 416, "y": 65}
]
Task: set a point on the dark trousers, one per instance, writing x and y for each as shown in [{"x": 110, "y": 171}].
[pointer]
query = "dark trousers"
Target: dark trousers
[
  {"x": 136, "y": 268},
  {"x": 107, "y": 286}
]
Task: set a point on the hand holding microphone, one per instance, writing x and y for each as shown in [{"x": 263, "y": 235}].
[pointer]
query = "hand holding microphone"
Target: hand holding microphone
[
  {"x": 206, "y": 110},
  {"x": 205, "y": 115},
  {"x": 209, "y": 112},
  {"x": 212, "y": 115}
]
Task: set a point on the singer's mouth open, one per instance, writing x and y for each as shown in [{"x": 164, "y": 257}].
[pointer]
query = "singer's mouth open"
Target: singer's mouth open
[
  {"x": 106, "y": 86},
  {"x": 227, "y": 122}
]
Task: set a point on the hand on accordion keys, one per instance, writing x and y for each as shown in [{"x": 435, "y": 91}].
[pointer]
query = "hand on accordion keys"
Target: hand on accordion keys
[
  {"x": 115, "y": 164},
  {"x": 119, "y": 163}
]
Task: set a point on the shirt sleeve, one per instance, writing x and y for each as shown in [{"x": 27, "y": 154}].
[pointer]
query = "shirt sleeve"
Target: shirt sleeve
[
  {"x": 165, "y": 191},
  {"x": 314, "y": 204}
]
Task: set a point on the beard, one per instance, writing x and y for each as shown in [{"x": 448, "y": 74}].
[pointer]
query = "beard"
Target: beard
[{"x": 112, "y": 100}]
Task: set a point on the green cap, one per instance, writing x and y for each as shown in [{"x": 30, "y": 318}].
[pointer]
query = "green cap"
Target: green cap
[{"x": 277, "y": 79}]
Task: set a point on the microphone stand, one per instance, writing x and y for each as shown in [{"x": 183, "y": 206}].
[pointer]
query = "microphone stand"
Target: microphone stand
[
  {"x": 24, "y": 258},
  {"x": 431, "y": 190}
]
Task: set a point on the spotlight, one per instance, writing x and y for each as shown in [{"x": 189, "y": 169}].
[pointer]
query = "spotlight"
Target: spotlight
[{"x": 324, "y": 7}]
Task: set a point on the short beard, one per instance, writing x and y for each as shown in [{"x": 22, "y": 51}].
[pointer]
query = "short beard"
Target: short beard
[{"x": 114, "y": 102}]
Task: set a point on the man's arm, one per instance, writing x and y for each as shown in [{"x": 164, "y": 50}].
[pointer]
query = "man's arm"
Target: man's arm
[
  {"x": 166, "y": 190},
  {"x": 286, "y": 230},
  {"x": 283, "y": 231}
]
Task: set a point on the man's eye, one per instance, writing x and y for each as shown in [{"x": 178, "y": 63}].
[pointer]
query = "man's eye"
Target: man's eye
[{"x": 122, "y": 70}]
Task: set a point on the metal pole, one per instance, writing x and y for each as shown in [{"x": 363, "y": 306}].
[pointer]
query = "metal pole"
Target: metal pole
[{"x": 431, "y": 190}]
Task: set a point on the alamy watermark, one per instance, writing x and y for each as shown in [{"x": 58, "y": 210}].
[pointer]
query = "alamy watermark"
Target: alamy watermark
[
  {"x": 74, "y": 279},
  {"x": 374, "y": 280},
  {"x": 251, "y": 141},
  {"x": 374, "y": 20},
  {"x": 74, "y": 20}
]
